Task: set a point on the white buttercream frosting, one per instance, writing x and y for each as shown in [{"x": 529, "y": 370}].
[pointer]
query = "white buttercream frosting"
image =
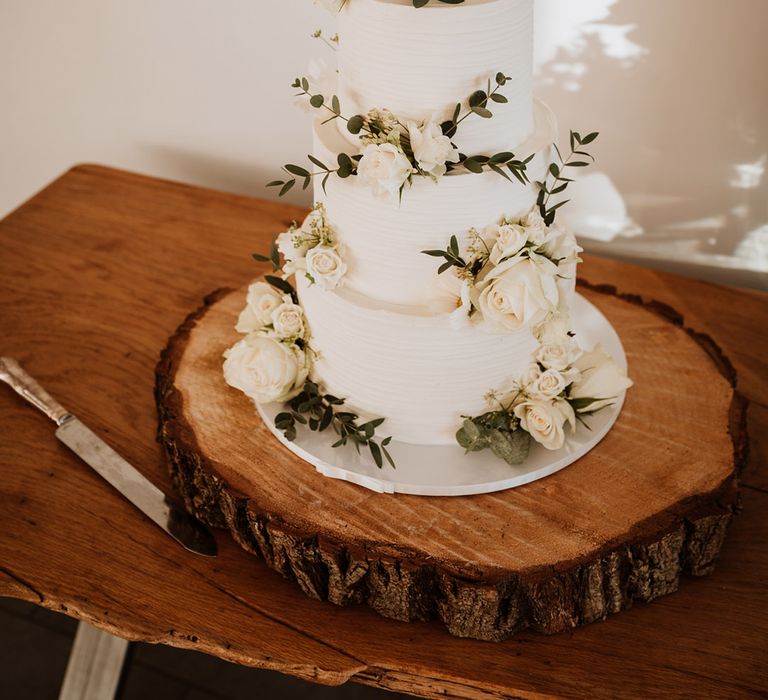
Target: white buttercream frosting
[
  {"x": 383, "y": 237},
  {"x": 415, "y": 370},
  {"x": 419, "y": 64},
  {"x": 388, "y": 341}
]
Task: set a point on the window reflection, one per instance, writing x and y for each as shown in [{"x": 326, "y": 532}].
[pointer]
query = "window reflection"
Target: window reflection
[{"x": 678, "y": 90}]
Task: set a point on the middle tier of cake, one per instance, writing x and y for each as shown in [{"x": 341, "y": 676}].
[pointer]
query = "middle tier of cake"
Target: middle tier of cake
[{"x": 383, "y": 238}]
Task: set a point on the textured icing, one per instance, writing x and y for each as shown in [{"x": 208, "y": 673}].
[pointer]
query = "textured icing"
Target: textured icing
[
  {"x": 412, "y": 369},
  {"x": 385, "y": 340},
  {"x": 420, "y": 63},
  {"x": 383, "y": 238}
]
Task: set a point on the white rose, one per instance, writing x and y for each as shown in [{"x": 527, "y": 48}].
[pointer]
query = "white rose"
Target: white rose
[
  {"x": 601, "y": 378},
  {"x": 559, "y": 355},
  {"x": 459, "y": 295},
  {"x": 518, "y": 294},
  {"x": 545, "y": 421},
  {"x": 325, "y": 266},
  {"x": 288, "y": 321},
  {"x": 384, "y": 167},
  {"x": 560, "y": 244},
  {"x": 261, "y": 301},
  {"x": 531, "y": 376},
  {"x": 265, "y": 369},
  {"x": 292, "y": 246},
  {"x": 550, "y": 384},
  {"x": 508, "y": 240},
  {"x": 553, "y": 330},
  {"x": 431, "y": 148},
  {"x": 535, "y": 226}
]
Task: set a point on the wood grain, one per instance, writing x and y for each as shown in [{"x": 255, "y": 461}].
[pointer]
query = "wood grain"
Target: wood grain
[
  {"x": 651, "y": 502},
  {"x": 97, "y": 271}
]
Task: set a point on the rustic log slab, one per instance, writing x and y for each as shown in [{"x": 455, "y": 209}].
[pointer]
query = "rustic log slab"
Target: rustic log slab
[{"x": 652, "y": 502}]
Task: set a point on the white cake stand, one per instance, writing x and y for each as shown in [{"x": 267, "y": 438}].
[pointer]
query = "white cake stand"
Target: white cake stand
[{"x": 445, "y": 470}]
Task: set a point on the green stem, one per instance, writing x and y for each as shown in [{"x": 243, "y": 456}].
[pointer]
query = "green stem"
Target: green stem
[{"x": 484, "y": 103}]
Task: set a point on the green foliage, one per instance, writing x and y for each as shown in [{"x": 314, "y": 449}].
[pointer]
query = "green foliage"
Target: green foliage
[
  {"x": 498, "y": 431},
  {"x": 273, "y": 257},
  {"x": 556, "y": 171},
  {"x": 451, "y": 256},
  {"x": 499, "y": 163},
  {"x": 478, "y": 104},
  {"x": 319, "y": 411}
]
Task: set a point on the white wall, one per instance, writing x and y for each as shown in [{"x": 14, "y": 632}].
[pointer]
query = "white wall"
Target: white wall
[{"x": 198, "y": 90}]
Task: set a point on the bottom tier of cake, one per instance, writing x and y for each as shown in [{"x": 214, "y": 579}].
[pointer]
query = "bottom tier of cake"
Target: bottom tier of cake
[{"x": 415, "y": 370}]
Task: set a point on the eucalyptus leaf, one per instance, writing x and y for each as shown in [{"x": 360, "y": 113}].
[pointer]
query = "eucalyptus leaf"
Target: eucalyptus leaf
[
  {"x": 471, "y": 437},
  {"x": 511, "y": 446}
]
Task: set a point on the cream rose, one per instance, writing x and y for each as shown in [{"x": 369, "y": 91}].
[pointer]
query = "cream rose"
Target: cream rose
[
  {"x": 292, "y": 246},
  {"x": 560, "y": 244},
  {"x": 261, "y": 301},
  {"x": 384, "y": 167},
  {"x": 431, "y": 148},
  {"x": 550, "y": 384},
  {"x": 553, "y": 330},
  {"x": 508, "y": 240},
  {"x": 601, "y": 378},
  {"x": 535, "y": 227},
  {"x": 518, "y": 294},
  {"x": 458, "y": 300},
  {"x": 288, "y": 321},
  {"x": 265, "y": 369},
  {"x": 325, "y": 266},
  {"x": 531, "y": 376},
  {"x": 545, "y": 421},
  {"x": 558, "y": 355}
]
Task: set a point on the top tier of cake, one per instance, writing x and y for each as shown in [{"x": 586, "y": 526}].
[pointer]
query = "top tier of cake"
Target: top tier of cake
[{"x": 420, "y": 63}]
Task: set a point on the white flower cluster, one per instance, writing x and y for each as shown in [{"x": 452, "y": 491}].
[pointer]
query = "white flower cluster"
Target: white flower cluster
[
  {"x": 513, "y": 275},
  {"x": 312, "y": 249},
  {"x": 272, "y": 362},
  {"x": 393, "y": 153},
  {"x": 562, "y": 381}
]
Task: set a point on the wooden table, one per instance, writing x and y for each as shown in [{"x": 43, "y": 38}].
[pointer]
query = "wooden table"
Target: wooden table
[{"x": 97, "y": 271}]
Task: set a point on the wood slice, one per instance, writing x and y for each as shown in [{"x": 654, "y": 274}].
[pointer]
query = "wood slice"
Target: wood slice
[{"x": 652, "y": 502}]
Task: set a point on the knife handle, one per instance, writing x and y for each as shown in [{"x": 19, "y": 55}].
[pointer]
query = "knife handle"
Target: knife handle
[{"x": 14, "y": 376}]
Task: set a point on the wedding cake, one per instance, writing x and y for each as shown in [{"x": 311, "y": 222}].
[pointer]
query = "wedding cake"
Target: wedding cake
[{"x": 428, "y": 293}]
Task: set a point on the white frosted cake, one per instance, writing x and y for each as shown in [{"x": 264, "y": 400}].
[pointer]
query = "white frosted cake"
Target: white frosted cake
[{"x": 431, "y": 284}]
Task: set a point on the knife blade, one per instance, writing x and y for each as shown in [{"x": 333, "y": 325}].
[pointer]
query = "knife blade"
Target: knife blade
[{"x": 184, "y": 528}]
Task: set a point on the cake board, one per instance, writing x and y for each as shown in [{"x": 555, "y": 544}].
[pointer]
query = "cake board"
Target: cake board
[
  {"x": 651, "y": 502},
  {"x": 446, "y": 470}
]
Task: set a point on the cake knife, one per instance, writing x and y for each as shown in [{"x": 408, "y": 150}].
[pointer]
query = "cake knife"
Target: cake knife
[{"x": 149, "y": 499}]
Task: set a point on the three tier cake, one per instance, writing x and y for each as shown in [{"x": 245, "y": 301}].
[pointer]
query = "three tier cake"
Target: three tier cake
[{"x": 428, "y": 294}]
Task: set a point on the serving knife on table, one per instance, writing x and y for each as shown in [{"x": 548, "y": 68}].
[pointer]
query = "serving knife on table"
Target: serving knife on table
[{"x": 149, "y": 499}]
